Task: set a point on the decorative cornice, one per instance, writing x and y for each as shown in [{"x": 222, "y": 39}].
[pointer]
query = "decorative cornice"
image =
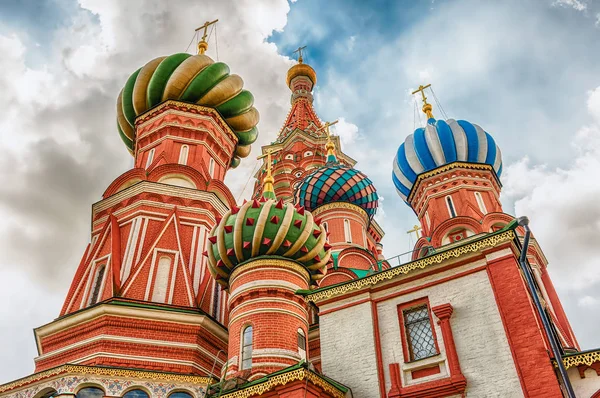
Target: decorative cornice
[
  {"x": 102, "y": 371},
  {"x": 368, "y": 281},
  {"x": 442, "y": 169},
  {"x": 583, "y": 358},
  {"x": 283, "y": 379},
  {"x": 341, "y": 205},
  {"x": 270, "y": 262}
]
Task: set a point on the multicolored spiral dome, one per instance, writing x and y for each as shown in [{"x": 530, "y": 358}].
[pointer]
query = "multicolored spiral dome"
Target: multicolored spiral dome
[
  {"x": 267, "y": 228},
  {"x": 335, "y": 182},
  {"x": 189, "y": 78},
  {"x": 439, "y": 143}
]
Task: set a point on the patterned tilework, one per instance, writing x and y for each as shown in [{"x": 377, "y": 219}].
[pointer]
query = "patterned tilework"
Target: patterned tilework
[{"x": 337, "y": 183}]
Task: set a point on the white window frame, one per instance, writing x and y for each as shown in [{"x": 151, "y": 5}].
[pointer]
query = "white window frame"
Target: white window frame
[
  {"x": 95, "y": 283},
  {"x": 427, "y": 220},
  {"x": 308, "y": 153},
  {"x": 242, "y": 346},
  {"x": 150, "y": 157},
  {"x": 161, "y": 283},
  {"x": 211, "y": 168},
  {"x": 347, "y": 231},
  {"x": 480, "y": 202},
  {"x": 450, "y": 206},
  {"x": 184, "y": 152},
  {"x": 302, "y": 337}
]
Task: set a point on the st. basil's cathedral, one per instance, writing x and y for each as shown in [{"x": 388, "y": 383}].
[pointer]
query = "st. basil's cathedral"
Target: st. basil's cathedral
[{"x": 183, "y": 292}]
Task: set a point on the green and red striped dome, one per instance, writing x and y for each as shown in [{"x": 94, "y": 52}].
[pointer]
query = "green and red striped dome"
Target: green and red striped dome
[
  {"x": 267, "y": 228},
  {"x": 189, "y": 78}
]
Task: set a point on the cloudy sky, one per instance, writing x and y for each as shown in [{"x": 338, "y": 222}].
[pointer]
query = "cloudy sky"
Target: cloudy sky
[{"x": 526, "y": 71}]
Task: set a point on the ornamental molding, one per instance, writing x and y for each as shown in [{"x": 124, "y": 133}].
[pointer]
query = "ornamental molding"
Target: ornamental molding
[
  {"x": 341, "y": 205},
  {"x": 283, "y": 379},
  {"x": 584, "y": 358},
  {"x": 442, "y": 169},
  {"x": 160, "y": 189},
  {"x": 111, "y": 372},
  {"x": 435, "y": 259},
  {"x": 271, "y": 263}
]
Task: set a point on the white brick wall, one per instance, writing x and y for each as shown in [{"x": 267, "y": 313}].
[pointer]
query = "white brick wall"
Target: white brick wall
[
  {"x": 586, "y": 387},
  {"x": 348, "y": 349},
  {"x": 347, "y": 342}
]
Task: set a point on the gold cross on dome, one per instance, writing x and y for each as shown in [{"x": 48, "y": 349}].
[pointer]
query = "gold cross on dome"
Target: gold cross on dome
[
  {"x": 203, "y": 45},
  {"x": 326, "y": 128},
  {"x": 299, "y": 51},
  {"x": 426, "y": 106},
  {"x": 415, "y": 229},
  {"x": 269, "y": 180}
]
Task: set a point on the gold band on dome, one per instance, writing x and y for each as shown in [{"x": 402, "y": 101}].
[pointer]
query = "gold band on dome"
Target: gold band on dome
[
  {"x": 341, "y": 205},
  {"x": 185, "y": 73},
  {"x": 224, "y": 90},
  {"x": 301, "y": 70},
  {"x": 140, "y": 104}
]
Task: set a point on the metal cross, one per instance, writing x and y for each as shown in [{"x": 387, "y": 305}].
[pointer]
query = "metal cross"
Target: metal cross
[
  {"x": 205, "y": 27},
  {"x": 421, "y": 89},
  {"x": 299, "y": 51},
  {"x": 326, "y": 128},
  {"x": 415, "y": 229},
  {"x": 268, "y": 156}
]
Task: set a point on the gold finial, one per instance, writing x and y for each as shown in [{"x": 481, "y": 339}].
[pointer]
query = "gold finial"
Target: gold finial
[
  {"x": 299, "y": 51},
  {"x": 416, "y": 228},
  {"x": 330, "y": 146},
  {"x": 203, "y": 45},
  {"x": 269, "y": 180},
  {"x": 426, "y": 106}
]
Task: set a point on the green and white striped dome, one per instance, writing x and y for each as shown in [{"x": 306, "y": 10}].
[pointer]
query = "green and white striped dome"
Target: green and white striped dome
[{"x": 189, "y": 78}]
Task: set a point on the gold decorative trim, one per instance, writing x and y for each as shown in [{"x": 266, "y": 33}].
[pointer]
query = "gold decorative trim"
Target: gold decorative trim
[
  {"x": 586, "y": 358},
  {"x": 283, "y": 379},
  {"x": 491, "y": 241},
  {"x": 341, "y": 205},
  {"x": 268, "y": 262},
  {"x": 442, "y": 169},
  {"x": 100, "y": 371}
]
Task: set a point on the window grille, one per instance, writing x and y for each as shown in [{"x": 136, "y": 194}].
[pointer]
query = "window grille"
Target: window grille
[
  {"x": 419, "y": 335},
  {"x": 302, "y": 343},
  {"x": 450, "y": 204},
  {"x": 97, "y": 285}
]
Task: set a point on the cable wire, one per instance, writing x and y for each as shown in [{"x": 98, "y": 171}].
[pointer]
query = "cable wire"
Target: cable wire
[
  {"x": 217, "y": 42},
  {"x": 191, "y": 41},
  {"x": 438, "y": 103},
  {"x": 255, "y": 169}
]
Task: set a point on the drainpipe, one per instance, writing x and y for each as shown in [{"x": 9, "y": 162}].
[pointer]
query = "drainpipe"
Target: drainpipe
[{"x": 524, "y": 222}]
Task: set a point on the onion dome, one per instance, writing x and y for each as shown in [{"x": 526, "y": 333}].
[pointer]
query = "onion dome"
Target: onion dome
[
  {"x": 301, "y": 69},
  {"x": 267, "y": 227},
  {"x": 439, "y": 143},
  {"x": 189, "y": 78}
]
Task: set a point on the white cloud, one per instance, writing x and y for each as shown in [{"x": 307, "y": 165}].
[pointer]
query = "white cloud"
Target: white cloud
[
  {"x": 348, "y": 132},
  {"x": 575, "y": 4}
]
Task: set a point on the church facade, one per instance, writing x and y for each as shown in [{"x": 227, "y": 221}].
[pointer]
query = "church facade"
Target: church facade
[{"x": 182, "y": 292}]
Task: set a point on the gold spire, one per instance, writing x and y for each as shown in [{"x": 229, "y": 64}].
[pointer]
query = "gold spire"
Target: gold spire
[
  {"x": 203, "y": 44},
  {"x": 330, "y": 146},
  {"x": 299, "y": 51},
  {"x": 269, "y": 180},
  {"x": 426, "y": 106}
]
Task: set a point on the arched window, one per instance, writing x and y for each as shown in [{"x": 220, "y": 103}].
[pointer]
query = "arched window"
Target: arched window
[
  {"x": 90, "y": 392},
  {"x": 216, "y": 301},
  {"x": 150, "y": 157},
  {"x": 301, "y": 343},
  {"x": 47, "y": 392},
  {"x": 211, "y": 168},
  {"x": 136, "y": 394},
  {"x": 161, "y": 281},
  {"x": 450, "y": 205},
  {"x": 96, "y": 287},
  {"x": 247, "y": 348},
  {"x": 183, "y": 154},
  {"x": 307, "y": 154},
  {"x": 180, "y": 394},
  {"x": 324, "y": 224},
  {"x": 289, "y": 156},
  {"x": 480, "y": 202},
  {"x": 347, "y": 234},
  {"x": 427, "y": 219}
]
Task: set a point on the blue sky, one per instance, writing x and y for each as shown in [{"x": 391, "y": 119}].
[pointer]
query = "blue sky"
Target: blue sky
[{"x": 526, "y": 71}]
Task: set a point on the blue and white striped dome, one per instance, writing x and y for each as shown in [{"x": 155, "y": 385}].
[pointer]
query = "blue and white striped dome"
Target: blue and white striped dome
[{"x": 440, "y": 143}]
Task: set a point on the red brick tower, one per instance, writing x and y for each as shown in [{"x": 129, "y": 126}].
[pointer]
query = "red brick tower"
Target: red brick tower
[
  {"x": 263, "y": 252},
  {"x": 305, "y": 148},
  {"x": 142, "y": 297}
]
